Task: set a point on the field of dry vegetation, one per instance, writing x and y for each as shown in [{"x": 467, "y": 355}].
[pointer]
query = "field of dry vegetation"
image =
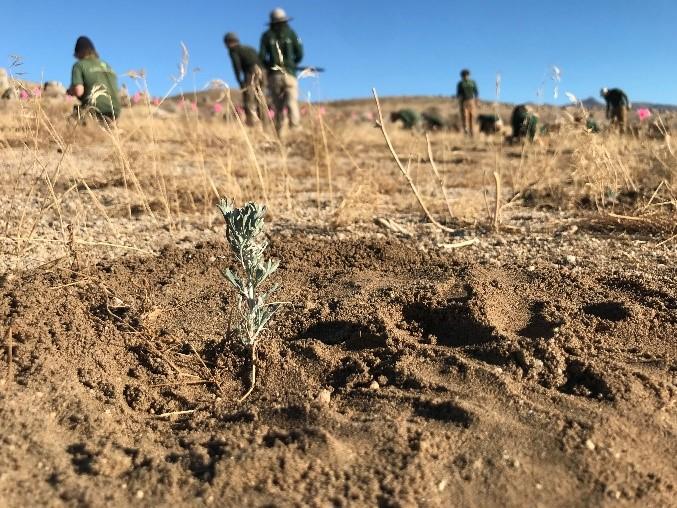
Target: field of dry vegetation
[{"x": 517, "y": 351}]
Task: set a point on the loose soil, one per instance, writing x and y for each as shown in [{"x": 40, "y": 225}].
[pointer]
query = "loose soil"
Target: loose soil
[{"x": 395, "y": 375}]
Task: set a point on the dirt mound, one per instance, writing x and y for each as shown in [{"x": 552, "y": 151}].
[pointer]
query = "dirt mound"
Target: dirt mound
[{"x": 393, "y": 377}]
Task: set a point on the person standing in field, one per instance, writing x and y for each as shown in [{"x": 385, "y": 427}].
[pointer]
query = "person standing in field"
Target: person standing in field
[
  {"x": 617, "y": 106},
  {"x": 94, "y": 82},
  {"x": 467, "y": 94},
  {"x": 281, "y": 52},
  {"x": 249, "y": 75}
]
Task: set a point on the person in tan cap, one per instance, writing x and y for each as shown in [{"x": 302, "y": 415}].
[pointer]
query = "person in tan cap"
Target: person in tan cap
[{"x": 281, "y": 52}]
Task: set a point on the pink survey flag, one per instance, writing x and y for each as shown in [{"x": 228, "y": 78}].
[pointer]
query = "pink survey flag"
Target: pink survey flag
[
  {"x": 23, "y": 95},
  {"x": 218, "y": 108},
  {"x": 643, "y": 114}
]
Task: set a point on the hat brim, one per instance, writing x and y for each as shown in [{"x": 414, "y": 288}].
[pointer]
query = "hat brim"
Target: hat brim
[{"x": 280, "y": 21}]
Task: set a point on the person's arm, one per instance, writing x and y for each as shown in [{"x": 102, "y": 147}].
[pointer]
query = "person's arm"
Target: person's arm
[
  {"x": 459, "y": 91},
  {"x": 475, "y": 90},
  {"x": 77, "y": 88},
  {"x": 237, "y": 66},
  {"x": 298, "y": 49},
  {"x": 263, "y": 51}
]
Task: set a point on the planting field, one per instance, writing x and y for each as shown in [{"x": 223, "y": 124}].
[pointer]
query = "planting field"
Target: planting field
[{"x": 520, "y": 351}]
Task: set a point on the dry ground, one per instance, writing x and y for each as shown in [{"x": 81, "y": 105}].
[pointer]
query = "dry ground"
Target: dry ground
[{"x": 535, "y": 367}]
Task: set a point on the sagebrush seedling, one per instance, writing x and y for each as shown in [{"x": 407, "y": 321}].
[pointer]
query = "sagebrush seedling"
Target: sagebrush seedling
[{"x": 244, "y": 231}]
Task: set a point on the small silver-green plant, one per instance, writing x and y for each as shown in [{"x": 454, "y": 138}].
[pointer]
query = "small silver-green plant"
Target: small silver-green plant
[{"x": 244, "y": 233}]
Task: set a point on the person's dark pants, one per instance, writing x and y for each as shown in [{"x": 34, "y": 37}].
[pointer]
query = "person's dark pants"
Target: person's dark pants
[{"x": 619, "y": 116}]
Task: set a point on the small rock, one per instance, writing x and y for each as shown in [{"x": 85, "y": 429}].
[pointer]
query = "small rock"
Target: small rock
[
  {"x": 442, "y": 485},
  {"x": 570, "y": 259},
  {"x": 324, "y": 397},
  {"x": 374, "y": 385},
  {"x": 531, "y": 268},
  {"x": 589, "y": 444},
  {"x": 139, "y": 494}
]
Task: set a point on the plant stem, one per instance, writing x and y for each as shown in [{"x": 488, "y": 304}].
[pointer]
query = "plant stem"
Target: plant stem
[{"x": 253, "y": 375}]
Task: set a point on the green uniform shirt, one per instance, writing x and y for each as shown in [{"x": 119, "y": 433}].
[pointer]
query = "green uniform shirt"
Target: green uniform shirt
[
  {"x": 616, "y": 98},
  {"x": 90, "y": 72},
  {"x": 409, "y": 117},
  {"x": 467, "y": 89},
  {"x": 245, "y": 59},
  {"x": 524, "y": 122},
  {"x": 281, "y": 49}
]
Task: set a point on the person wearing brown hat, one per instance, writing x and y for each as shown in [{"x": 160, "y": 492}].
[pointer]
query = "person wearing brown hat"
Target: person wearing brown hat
[
  {"x": 249, "y": 75},
  {"x": 281, "y": 52},
  {"x": 94, "y": 82}
]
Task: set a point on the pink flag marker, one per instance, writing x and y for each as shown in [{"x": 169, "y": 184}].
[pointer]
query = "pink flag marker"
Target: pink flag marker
[
  {"x": 643, "y": 114},
  {"x": 23, "y": 95},
  {"x": 218, "y": 107}
]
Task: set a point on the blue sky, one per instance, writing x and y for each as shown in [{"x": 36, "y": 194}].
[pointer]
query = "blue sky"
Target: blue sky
[{"x": 400, "y": 47}]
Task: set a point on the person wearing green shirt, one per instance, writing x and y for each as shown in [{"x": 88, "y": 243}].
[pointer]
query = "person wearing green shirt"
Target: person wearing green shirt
[
  {"x": 94, "y": 82},
  {"x": 281, "y": 52},
  {"x": 617, "y": 106},
  {"x": 249, "y": 75},
  {"x": 524, "y": 123},
  {"x": 467, "y": 94},
  {"x": 408, "y": 117}
]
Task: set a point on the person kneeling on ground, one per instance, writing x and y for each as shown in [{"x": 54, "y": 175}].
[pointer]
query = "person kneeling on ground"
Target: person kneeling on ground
[
  {"x": 490, "y": 124},
  {"x": 408, "y": 117},
  {"x": 94, "y": 82},
  {"x": 431, "y": 120},
  {"x": 617, "y": 106},
  {"x": 249, "y": 75},
  {"x": 524, "y": 123}
]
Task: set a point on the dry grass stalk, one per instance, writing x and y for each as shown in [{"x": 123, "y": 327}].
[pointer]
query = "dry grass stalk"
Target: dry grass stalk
[
  {"x": 440, "y": 181},
  {"x": 402, "y": 169}
]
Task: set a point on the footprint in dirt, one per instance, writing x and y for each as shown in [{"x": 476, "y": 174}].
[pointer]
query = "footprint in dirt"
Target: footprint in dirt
[
  {"x": 539, "y": 327},
  {"x": 453, "y": 324},
  {"x": 610, "y": 311},
  {"x": 445, "y": 411},
  {"x": 352, "y": 335}
]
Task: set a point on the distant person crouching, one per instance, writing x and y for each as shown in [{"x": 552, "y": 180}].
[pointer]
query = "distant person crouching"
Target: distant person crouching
[
  {"x": 249, "y": 75},
  {"x": 524, "y": 123},
  {"x": 409, "y": 118},
  {"x": 94, "y": 82}
]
